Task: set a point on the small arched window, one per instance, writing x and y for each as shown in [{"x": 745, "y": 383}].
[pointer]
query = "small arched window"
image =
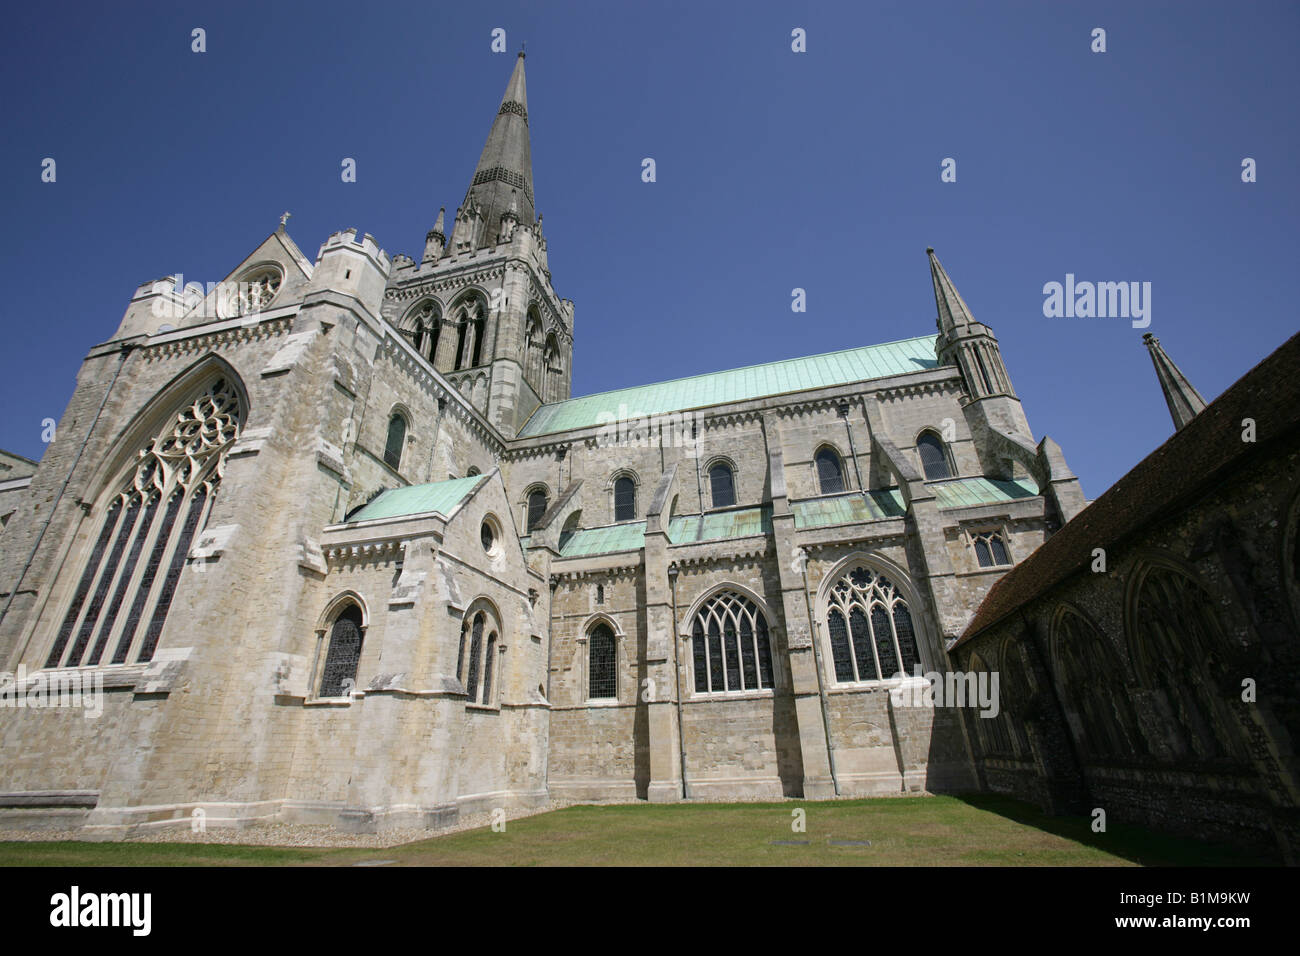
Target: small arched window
[
  {"x": 934, "y": 459},
  {"x": 731, "y": 649},
  {"x": 396, "y": 439},
  {"x": 602, "y": 672},
  {"x": 624, "y": 499},
  {"x": 830, "y": 472},
  {"x": 722, "y": 485},
  {"x": 536, "y": 508},
  {"x": 480, "y": 644},
  {"x": 339, "y": 676}
]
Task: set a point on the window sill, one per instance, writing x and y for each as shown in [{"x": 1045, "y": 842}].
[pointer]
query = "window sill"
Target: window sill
[{"x": 725, "y": 695}]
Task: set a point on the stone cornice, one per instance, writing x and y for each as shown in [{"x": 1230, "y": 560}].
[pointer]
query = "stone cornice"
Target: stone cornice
[{"x": 229, "y": 332}]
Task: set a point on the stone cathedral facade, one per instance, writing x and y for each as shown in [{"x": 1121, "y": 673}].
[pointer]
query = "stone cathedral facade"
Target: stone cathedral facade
[{"x": 339, "y": 547}]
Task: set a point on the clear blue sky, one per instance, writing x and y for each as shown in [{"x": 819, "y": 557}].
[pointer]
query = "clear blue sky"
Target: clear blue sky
[{"x": 776, "y": 170}]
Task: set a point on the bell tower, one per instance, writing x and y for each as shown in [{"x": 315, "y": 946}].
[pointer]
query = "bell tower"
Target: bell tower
[{"x": 479, "y": 305}]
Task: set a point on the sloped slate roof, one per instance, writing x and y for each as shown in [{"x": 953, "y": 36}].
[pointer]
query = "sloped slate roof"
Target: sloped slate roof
[
  {"x": 719, "y": 525},
  {"x": 439, "y": 496},
  {"x": 618, "y": 537},
  {"x": 1208, "y": 450},
  {"x": 736, "y": 385}
]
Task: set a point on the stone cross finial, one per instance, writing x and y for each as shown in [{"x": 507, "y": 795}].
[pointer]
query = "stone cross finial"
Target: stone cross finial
[{"x": 285, "y": 218}]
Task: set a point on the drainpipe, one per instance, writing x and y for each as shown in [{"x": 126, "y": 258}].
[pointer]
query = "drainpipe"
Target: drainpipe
[
  {"x": 677, "y": 671},
  {"x": 125, "y": 351},
  {"x": 802, "y": 557},
  {"x": 844, "y": 414}
]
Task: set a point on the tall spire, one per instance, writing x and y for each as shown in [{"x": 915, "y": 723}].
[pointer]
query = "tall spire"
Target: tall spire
[
  {"x": 1184, "y": 401},
  {"x": 505, "y": 167},
  {"x": 953, "y": 313}
]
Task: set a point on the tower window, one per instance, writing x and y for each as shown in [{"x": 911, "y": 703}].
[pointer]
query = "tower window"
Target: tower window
[
  {"x": 934, "y": 459},
  {"x": 624, "y": 499},
  {"x": 396, "y": 439},
  {"x": 830, "y": 472},
  {"x": 722, "y": 485},
  {"x": 990, "y": 549}
]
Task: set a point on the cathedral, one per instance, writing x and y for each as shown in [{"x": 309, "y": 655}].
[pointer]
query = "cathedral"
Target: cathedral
[{"x": 332, "y": 542}]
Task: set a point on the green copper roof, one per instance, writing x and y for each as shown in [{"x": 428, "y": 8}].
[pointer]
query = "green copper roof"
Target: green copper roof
[
  {"x": 718, "y": 525},
  {"x": 618, "y": 537},
  {"x": 439, "y": 496},
  {"x": 847, "y": 509},
  {"x": 963, "y": 492},
  {"x": 737, "y": 385}
]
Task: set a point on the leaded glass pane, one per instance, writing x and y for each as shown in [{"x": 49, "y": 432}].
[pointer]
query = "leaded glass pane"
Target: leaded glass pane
[
  {"x": 862, "y": 645},
  {"x": 83, "y": 587},
  {"x": 183, "y": 543},
  {"x": 124, "y": 580},
  {"x": 982, "y": 553},
  {"x": 487, "y": 669},
  {"x": 343, "y": 655},
  {"x": 724, "y": 490},
  {"x": 830, "y": 474},
  {"x": 732, "y": 651},
  {"x": 151, "y": 567},
  {"x": 475, "y": 653},
  {"x": 933, "y": 461},
  {"x": 764, "y": 651},
  {"x": 624, "y": 499},
  {"x": 396, "y": 438},
  {"x": 906, "y": 638},
  {"x": 701, "y": 658},
  {"x": 105, "y": 579},
  {"x": 999, "y": 549},
  {"x": 601, "y": 674},
  {"x": 536, "y": 508},
  {"x": 840, "y": 652},
  {"x": 884, "y": 642},
  {"x": 715, "y": 657}
]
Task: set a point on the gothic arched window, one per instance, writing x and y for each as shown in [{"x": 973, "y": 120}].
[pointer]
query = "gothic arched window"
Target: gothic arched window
[
  {"x": 602, "y": 669},
  {"x": 1094, "y": 689},
  {"x": 730, "y": 645},
  {"x": 536, "y": 507},
  {"x": 870, "y": 627},
  {"x": 475, "y": 663},
  {"x": 722, "y": 485},
  {"x": 339, "y": 675},
  {"x": 830, "y": 472},
  {"x": 146, "y": 530},
  {"x": 396, "y": 439},
  {"x": 1176, "y": 632},
  {"x": 934, "y": 459},
  {"x": 624, "y": 498}
]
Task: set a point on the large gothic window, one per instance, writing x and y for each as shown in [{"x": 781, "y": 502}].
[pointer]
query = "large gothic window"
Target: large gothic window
[
  {"x": 339, "y": 675},
  {"x": 722, "y": 485},
  {"x": 602, "y": 671},
  {"x": 396, "y": 439},
  {"x": 830, "y": 472},
  {"x": 934, "y": 459},
  {"x": 624, "y": 498},
  {"x": 145, "y": 533},
  {"x": 870, "y": 627},
  {"x": 731, "y": 649}
]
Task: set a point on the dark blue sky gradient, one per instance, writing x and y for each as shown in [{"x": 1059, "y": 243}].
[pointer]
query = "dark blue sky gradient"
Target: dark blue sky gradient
[{"x": 775, "y": 171}]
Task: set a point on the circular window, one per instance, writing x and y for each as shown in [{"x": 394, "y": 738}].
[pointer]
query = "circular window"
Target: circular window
[
  {"x": 254, "y": 291},
  {"x": 488, "y": 535}
]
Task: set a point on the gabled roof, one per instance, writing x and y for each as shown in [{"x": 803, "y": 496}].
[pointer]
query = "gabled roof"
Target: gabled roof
[
  {"x": 440, "y": 496},
  {"x": 1207, "y": 450},
  {"x": 736, "y": 385}
]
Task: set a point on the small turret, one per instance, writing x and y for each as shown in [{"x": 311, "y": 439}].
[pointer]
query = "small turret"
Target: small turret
[{"x": 436, "y": 240}]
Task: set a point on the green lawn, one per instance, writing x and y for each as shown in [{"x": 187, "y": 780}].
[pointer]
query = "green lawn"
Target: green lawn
[{"x": 903, "y": 831}]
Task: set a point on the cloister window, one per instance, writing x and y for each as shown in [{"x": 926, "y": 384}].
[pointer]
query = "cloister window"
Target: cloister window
[
  {"x": 1095, "y": 691},
  {"x": 830, "y": 472},
  {"x": 536, "y": 507},
  {"x": 990, "y": 548},
  {"x": 722, "y": 485},
  {"x": 146, "y": 530},
  {"x": 624, "y": 499},
  {"x": 870, "y": 626},
  {"x": 396, "y": 439},
  {"x": 602, "y": 669},
  {"x": 731, "y": 648},
  {"x": 339, "y": 675},
  {"x": 934, "y": 458}
]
